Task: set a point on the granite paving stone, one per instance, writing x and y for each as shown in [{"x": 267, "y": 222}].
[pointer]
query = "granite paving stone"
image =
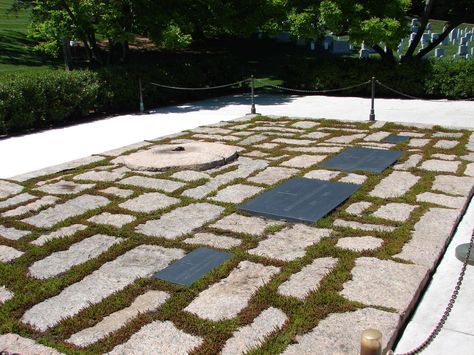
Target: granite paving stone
[
  {"x": 115, "y": 191},
  {"x": 468, "y": 157},
  {"x": 249, "y": 337},
  {"x": 363, "y": 226},
  {"x": 322, "y": 174},
  {"x": 211, "y": 130},
  {"x": 253, "y": 139},
  {"x": 70, "y": 208},
  {"x": 444, "y": 156},
  {"x": 190, "y": 175},
  {"x": 339, "y": 333},
  {"x": 256, "y": 154},
  {"x": 359, "y": 243},
  {"x": 226, "y": 298},
  {"x": 14, "y": 344},
  {"x": 303, "y": 161},
  {"x": 353, "y": 179},
  {"x": 290, "y": 243},
  {"x": 243, "y": 224},
  {"x": 293, "y": 141},
  {"x": 418, "y": 142},
  {"x": 398, "y": 212},
  {"x": 149, "y": 202},
  {"x": 152, "y": 183},
  {"x": 446, "y": 144},
  {"x": 429, "y": 238},
  {"x": 21, "y": 198},
  {"x": 299, "y": 285},
  {"x": 345, "y": 139},
  {"x": 412, "y": 161},
  {"x": 60, "y": 233},
  {"x": 31, "y": 207},
  {"x": 447, "y": 135},
  {"x": 392, "y": 285},
  {"x": 162, "y": 337},
  {"x": 358, "y": 208},
  {"x": 271, "y": 129},
  {"x": 397, "y": 184},
  {"x": 442, "y": 200},
  {"x": 216, "y": 137},
  {"x": 99, "y": 176},
  {"x": 213, "y": 240},
  {"x": 344, "y": 129},
  {"x": 243, "y": 133},
  {"x": 453, "y": 185},
  {"x": 5, "y": 294},
  {"x": 12, "y": 233},
  {"x": 181, "y": 221},
  {"x": 111, "y": 277},
  {"x": 116, "y": 220},
  {"x": 377, "y": 136},
  {"x": 315, "y": 150},
  {"x": 266, "y": 145},
  {"x": 149, "y": 301},
  {"x": 236, "y": 193},
  {"x": 440, "y": 165},
  {"x": 469, "y": 169},
  {"x": 119, "y": 151},
  {"x": 412, "y": 134},
  {"x": 8, "y": 188},
  {"x": 305, "y": 124},
  {"x": 8, "y": 254},
  {"x": 272, "y": 175},
  {"x": 315, "y": 135},
  {"x": 64, "y": 188},
  {"x": 378, "y": 124},
  {"x": 76, "y": 254}
]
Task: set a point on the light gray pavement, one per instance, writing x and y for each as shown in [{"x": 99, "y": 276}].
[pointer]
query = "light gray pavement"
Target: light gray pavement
[{"x": 22, "y": 154}]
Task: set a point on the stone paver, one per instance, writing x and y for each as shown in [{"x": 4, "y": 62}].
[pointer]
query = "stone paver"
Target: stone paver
[
  {"x": 12, "y": 233},
  {"x": 392, "y": 284},
  {"x": 116, "y": 220},
  {"x": 345, "y": 139},
  {"x": 397, "y": 184},
  {"x": 25, "y": 197},
  {"x": 150, "y": 301},
  {"x": 412, "y": 161},
  {"x": 305, "y": 124},
  {"x": 115, "y": 191},
  {"x": 440, "y": 165},
  {"x": 353, "y": 179},
  {"x": 469, "y": 170},
  {"x": 447, "y": 135},
  {"x": 226, "y": 298},
  {"x": 76, "y": 254},
  {"x": 70, "y": 208},
  {"x": 251, "y": 336},
  {"x": 60, "y": 233},
  {"x": 303, "y": 161},
  {"x": 256, "y": 154},
  {"x": 213, "y": 240},
  {"x": 14, "y": 344},
  {"x": 272, "y": 175},
  {"x": 446, "y": 144},
  {"x": 399, "y": 212},
  {"x": 339, "y": 333},
  {"x": 162, "y": 337},
  {"x": 290, "y": 243},
  {"x": 445, "y": 156},
  {"x": 315, "y": 150},
  {"x": 358, "y": 208},
  {"x": 454, "y": 185},
  {"x": 99, "y": 176},
  {"x": 8, "y": 188},
  {"x": 243, "y": 224},
  {"x": 412, "y": 134},
  {"x": 359, "y": 243},
  {"x": 181, "y": 221},
  {"x": 216, "y": 137},
  {"x": 64, "y": 188},
  {"x": 152, "y": 183},
  {"x": 315, "y": 135},
  {"x": 468, "y": 157},
  {"x": 322, "y": 174},
  {"x": 211, "y": 130},
  {"x": 440, "y": 199},
  {"x": 112, "y": 277},
  {"x": 31, "y": 207},
  {"x": 363, "y": 226},
  {"x": 377, "y": 136},
  {"x": 190, "y": 175},
  {"x": 299, "y": 285},
  {"x": 5, "y": 295},
  {"x": 418, "y": 142},
  {"x": 253, "y": 139},
  {"x": 430, "y": 236},
  {"x": 266, "y": 145},
  {"x": 236, "y": 193},
  {"x": 292, "y": 141},
  {"x": 8, "y": 254},
  {"x": 149, "y": 202}
]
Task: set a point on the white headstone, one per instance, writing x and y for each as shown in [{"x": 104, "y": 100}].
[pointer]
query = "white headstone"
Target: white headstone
[
  {"x": 413, "y": 22},
  {"x": 429, "y": 26},
  {"x": 425, "y": 38},
  {"x": 363, "y": 54},
  {"x": 439, "y": 52},
  {"x": 468, "y": 56},
  {"x": 312, "y": 46},
  {"x": 462, "y": 50},
  {"x": 434, "y": 37},
  {"x": 472, "y": 51},
  {"x": 453, "y": 35},
  {"x": 414, "y": 29},
  {"x": 412, "y": 37},
  {"x": 463, "y": 41},
  {"x": 445, "y": 41}
]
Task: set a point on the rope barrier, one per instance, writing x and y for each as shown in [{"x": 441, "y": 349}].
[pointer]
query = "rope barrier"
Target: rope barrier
[
  {"x": 314, "y": 91},
  {"x": 200, "y": 88}
]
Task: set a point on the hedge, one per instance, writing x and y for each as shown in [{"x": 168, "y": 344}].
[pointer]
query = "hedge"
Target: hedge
[{"x": 53, "y": 97}]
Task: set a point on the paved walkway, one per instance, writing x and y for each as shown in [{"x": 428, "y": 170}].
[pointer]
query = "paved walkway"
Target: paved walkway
[{"x": 30, "y": 152}]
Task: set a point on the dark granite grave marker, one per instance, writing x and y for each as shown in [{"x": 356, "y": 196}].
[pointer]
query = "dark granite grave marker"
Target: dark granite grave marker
[
  {"x": 300, "y": 200},
  {"x": 193, "y": 266},
  {"x": 395, "y": 139},
  {"x": 365, "y": 159}
]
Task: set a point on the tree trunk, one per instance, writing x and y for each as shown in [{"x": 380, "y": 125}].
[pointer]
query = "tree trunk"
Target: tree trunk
[
  {"x": 421, "y": 30},
  {"x": 387, "y": 56}
]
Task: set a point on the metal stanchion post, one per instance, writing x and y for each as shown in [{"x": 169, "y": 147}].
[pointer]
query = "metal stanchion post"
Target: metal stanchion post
[
  {"x": 372, "y": 109},
  {"x": 253, "y": 111},
  {"x": 142, "y": 106},
  {"x": 371, "y": 342}
]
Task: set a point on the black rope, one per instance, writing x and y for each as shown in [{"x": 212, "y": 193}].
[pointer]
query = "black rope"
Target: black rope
[
  {"x": 313, "y": 91},
  {"x": 200, "y": 88}
]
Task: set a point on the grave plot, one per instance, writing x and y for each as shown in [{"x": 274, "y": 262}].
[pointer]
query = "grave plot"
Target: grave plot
[{"x": 233, "y": 254}]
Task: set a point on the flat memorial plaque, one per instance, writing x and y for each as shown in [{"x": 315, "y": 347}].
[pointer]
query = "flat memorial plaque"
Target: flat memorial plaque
[
  {"x": 395, "y": 139},
  {"x": 365, "y": 159},
  {"x": 193, "y": 266},
  {"x": 300, "y": 200}
]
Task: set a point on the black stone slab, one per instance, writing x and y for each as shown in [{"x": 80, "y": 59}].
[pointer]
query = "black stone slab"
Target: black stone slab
[
  {"x": 395, "y": 139},
  {"x": 365, "y": 159},
  {"x": 193, "y": 266},
  {"x": 300, "y": 200}
]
